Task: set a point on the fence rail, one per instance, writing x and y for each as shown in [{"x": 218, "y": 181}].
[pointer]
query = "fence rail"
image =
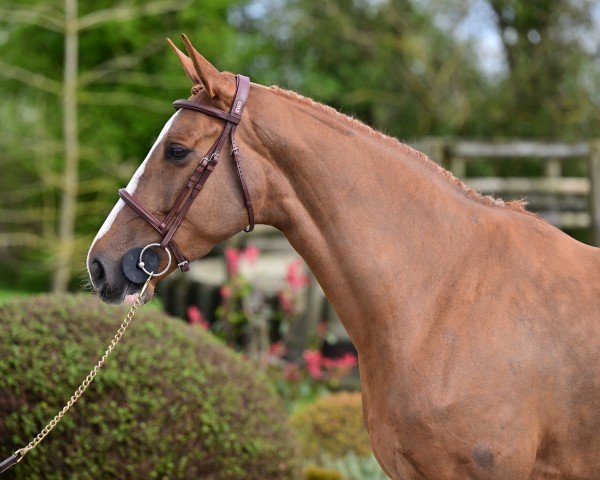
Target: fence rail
[{"x": 554, "y": 196}]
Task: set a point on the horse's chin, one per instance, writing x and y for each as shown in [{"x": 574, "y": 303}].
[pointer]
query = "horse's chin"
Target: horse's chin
[
  {"x": 129, "y": 299},
  {"x": 132, "y": 297}
]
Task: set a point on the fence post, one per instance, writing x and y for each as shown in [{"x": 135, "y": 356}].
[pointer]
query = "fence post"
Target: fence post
[
  {"x": 553, "y": 171},
  {"x": 594, "y": 166},
  {"x": 456, "y": 164}
]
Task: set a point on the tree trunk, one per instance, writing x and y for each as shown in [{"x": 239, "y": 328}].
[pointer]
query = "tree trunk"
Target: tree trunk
[{"x": 66, "y": 233}]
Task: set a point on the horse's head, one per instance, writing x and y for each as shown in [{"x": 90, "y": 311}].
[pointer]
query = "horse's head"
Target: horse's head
[{"x": 219, "y": 211}]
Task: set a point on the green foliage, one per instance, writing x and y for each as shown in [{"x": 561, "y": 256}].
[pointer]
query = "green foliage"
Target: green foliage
[
  {"x": 355, "y": 467},
  {"x": 171, "y": 402},
  {"x": 402, "y": 66},
  {"x": 549, "y": 86},
  {"x": 7, "y": 295},
  {"x": 385, "y": 62},
  {"x": 317, "y": 473},
  {"x": 332, "y": 425},
  {"x": 128, "y": 77}
]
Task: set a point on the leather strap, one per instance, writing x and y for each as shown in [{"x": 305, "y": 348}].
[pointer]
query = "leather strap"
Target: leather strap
[
  {"x": 213, "y": 112},
  {"x": 168, "y": 226},
  {"x": 239, "y": 105},
  {"x": 154, "y": 222}
]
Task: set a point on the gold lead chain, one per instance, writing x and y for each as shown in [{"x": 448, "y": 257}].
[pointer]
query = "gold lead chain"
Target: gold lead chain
[{"x": 20, "y": 454}]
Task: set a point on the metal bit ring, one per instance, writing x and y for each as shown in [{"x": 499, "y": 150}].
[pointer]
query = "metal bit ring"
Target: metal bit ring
[{"x": 142, "y": 265}]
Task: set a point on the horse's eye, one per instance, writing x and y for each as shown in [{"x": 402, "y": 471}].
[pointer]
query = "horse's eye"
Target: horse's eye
[{"x": 177, "y": 152}]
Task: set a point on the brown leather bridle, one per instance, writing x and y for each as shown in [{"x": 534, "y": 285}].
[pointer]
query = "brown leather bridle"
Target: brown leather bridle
[{"x": 168, "y": 226}]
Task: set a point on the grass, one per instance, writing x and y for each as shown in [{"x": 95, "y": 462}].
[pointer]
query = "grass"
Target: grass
[{"x": 6, "y": 294}]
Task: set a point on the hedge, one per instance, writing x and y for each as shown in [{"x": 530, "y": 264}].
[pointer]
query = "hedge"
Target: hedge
[
  {"x": 171, "y": 402},
  {"x": 332, "y": 425}
]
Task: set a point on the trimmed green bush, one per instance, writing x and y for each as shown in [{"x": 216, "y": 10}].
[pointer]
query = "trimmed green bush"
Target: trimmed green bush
[
  {"x": 171, "y": 403},
  {"x": 317, "y": 473},
  {"x": 332, "y": 425}
]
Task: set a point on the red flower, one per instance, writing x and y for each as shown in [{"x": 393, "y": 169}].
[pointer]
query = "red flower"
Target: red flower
[
  {"x": 322, "y": 328},
  {"x": 313, "y": 359},
  {"x": 295, "y": 277},
  {"x": 277, "y": 349},
  {"x": 195, "y": 317},
  {"x": 232, "y": 257},
  {"x": 347, "y": 361},
  {"x": 225, "y": 291},
  {"x": 338, "y": 368},
  {"x": 251, "y": 253},
  {"x": 291, "y": 372},
  {"x": 286, "y": 302}
]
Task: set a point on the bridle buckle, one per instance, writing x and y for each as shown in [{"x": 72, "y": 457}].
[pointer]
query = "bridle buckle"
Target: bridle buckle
[{"x": 183, "y": 264}]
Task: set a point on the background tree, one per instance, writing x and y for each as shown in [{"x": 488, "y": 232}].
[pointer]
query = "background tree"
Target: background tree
[
  {"x": 81, "y": 109},
  {"x": 551, "y": 57},
  {"x": 86, "y": 86},
  {"x": 386, "y": 62}
]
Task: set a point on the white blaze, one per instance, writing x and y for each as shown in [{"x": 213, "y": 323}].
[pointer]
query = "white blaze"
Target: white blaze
[{"x": 131, "y": 186}]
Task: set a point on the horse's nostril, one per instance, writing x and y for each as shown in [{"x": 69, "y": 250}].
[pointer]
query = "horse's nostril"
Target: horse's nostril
[{"x": 97, "y": 273}]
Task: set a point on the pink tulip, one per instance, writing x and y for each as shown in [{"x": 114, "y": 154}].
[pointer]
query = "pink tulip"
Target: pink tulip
[
  {"x": 225, "y": 292},
  {"x": 251, "y": 253},
  {"x": 232, "y": 257},
  {"x": 291, "y": 372},
  {"x": 348, "y": 360},
  {"x": 195, "y": 317},
  {"x": 295, "y": 278},
  {"x": 277, "y": 349},
  {"x": 287, "y": 304},
  {"x": 313, "y": 359}
]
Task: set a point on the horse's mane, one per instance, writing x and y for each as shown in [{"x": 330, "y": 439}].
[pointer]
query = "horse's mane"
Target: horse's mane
[{"x": 517, "y": 205}]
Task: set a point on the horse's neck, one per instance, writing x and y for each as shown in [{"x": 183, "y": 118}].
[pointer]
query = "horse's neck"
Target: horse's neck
[{"x": 378, "y": 227}]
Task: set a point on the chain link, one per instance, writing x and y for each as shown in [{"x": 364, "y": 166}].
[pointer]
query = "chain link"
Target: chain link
[{"x": 86, "y": 382}]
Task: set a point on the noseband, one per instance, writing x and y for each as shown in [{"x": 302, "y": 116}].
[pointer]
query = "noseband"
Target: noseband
[{"x": 168, "y": 226}]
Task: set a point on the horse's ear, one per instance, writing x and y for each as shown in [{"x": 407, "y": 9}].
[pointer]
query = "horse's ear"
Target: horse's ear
[
  {"x": 186, "y": 62},
  {"x": 216, "y": 84}
]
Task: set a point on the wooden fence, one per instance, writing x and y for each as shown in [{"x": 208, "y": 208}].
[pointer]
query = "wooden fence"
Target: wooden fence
[{"x": 569, "y": 202}]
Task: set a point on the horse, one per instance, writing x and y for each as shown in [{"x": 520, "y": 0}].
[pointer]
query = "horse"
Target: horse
[{"x": 475, "y": 321}]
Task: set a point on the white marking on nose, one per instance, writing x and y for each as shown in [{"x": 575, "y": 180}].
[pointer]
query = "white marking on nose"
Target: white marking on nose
[{"x": 131, "y": 186}]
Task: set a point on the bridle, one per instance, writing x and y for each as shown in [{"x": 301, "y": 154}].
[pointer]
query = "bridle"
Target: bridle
[{"x": 168, "y": 226}]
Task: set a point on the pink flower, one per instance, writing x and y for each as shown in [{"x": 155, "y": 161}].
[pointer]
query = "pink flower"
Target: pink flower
[
  {"x": 322, "y": 329},
  {"x": 225, "y": 292},
  {"x": 338, "y": 368},
  {"x": 346, "y": 361},
  {"x": 277, "y": 349},
  {"x": 291, "y": 372},
  {"x": 195, "y": 317},
  {"x": 251, "y": 253},
  {"x": 232, "y": 257},
  {"x": 295, "y": 278},
  {"x": 313, "y": 359},
  {"x": 286, "y": 302}
]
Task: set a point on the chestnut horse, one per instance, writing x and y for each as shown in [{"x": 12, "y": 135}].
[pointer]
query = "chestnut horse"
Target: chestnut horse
[{"x": 476, "y": 322}]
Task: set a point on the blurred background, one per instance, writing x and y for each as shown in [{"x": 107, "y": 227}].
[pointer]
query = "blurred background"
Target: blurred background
[{"x": 505, "y": 93}]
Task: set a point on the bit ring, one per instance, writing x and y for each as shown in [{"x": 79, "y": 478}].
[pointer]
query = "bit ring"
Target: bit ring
[{"x": 142, "y": 265}]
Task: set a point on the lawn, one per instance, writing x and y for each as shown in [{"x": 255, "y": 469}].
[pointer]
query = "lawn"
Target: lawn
[{"x": 6, "y": 295}]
